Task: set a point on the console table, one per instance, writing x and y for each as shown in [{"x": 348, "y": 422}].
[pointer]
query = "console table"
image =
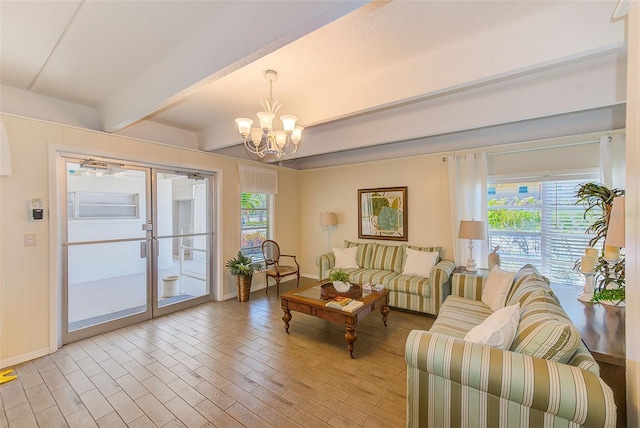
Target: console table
[{"x": 602, "y": 328}]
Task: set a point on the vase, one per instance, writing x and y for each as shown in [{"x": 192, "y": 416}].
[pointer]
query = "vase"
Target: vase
[
  {"x": 493, "y": 260},
  {"x": 243, "y": 283},
  {"x": 341, "y": 287}
]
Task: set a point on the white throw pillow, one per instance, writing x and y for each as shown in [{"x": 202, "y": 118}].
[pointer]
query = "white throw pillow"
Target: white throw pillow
[
  {"x": 419, "y": 263},
  {"x": 496, "y": 288},
  {"x": 345, "y": 257},
  {"x": 498, "y": 330}
]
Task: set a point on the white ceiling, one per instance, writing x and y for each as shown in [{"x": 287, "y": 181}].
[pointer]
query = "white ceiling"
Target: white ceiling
[{"x": 343, "y": 66}]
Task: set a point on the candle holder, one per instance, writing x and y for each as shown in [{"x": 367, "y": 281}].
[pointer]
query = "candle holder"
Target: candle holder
[{"x": 589, "y": 286}]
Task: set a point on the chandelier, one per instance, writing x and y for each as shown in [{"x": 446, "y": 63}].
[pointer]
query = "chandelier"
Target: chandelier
[{"x": 265, "y": 143}]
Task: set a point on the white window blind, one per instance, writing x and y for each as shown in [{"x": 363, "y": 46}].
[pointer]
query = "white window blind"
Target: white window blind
[
  {"x": 538, "y": 222},
  {"x": 258, "y": 180},
  {"x": 563, "y": 237}
]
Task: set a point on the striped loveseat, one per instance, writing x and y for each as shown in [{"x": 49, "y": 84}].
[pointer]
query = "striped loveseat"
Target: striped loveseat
[
  {"x": 546, "y": 379},
  {"x": 384, "y": 264}
]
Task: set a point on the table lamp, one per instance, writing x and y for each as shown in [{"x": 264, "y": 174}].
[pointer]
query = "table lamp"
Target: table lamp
[
  {"x": 472, "y": 229},
  {"x": 327, "y": 220}
]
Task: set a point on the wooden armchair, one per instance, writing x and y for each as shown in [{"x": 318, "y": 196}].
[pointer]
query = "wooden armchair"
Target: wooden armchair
[{"x": 275, "y": 270}]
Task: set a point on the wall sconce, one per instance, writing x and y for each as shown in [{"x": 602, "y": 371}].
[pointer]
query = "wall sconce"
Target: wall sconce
[
  {"x": 5, "y": 152},
  {"x": 327, "y": 220}
]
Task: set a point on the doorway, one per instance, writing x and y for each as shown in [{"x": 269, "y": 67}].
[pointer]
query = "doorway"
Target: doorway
[{"x": 136, "y": 243}]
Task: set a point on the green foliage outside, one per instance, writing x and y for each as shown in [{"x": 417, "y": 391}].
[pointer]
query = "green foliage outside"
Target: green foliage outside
[
  {"x": 253, "y": 200},
  {"x": 513, "y": 216}
]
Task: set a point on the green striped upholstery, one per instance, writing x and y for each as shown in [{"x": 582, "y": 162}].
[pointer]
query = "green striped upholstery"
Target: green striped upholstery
[
  {"x": 405, "y": 291},
  {"x": 387, "y": 257},
  {"x": 459, "y": 315},
  {"x": 455, "y": 383},
  {"x": 526, "y": 281},
  {"x": 544, "y": 330},
  {"x": 325, "y": 263},
  {"x": 363, "y": 256},
  {"x": 410, "y": 292},
  {"x": 410, "y": 284},
  {"x": 583, "y": 359},
  {"x": 374, "y": 276},
  {"x": 467, "y": 285}
]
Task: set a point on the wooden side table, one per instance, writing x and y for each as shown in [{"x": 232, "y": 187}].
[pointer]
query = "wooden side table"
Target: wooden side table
[{"x": 602, "y": 328}]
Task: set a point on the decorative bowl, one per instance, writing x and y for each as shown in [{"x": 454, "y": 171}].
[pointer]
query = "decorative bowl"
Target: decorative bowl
[{"x": 328, "y": 292}]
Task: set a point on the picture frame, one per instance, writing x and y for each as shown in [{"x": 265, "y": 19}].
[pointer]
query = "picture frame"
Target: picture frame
[{"x": 382, "y": 213}]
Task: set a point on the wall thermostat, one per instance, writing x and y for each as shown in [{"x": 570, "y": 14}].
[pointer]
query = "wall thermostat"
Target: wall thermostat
[{"x": 37, "y": 209}]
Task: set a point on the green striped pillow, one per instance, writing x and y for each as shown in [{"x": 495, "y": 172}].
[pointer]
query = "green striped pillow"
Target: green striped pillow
[
  {"x": 363, "y": 256},
  {"x": 387, "y": 257},
  {"x": 543, "y": 331}
]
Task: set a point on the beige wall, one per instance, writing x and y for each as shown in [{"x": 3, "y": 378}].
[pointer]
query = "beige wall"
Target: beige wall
[
  {"x": 336, "y": 189},
  {"x": 26, "y": 300}
]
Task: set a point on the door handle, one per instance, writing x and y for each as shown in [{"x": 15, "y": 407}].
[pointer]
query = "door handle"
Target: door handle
[
  {"x": 147, "y": 226},
  {"x": 143, "y": 250}
]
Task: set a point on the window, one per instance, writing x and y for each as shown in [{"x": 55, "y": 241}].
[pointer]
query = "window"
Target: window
[
  {"x": 102, "y": 205},
  {"x": 255, "y": 211},
  {"x": 538, "y": 223}
]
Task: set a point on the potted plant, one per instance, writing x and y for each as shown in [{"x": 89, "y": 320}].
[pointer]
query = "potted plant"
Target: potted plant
[
  {"x": 340, "y": 280},
  {"x": 610, "y": 274},
  {"x": 242, "y": 268}
]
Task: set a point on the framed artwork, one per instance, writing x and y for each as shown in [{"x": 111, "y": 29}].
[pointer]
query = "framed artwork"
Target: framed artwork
[{"x": 382, "y": 213}]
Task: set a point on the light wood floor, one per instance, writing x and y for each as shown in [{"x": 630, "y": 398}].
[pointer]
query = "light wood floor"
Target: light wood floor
[{"x": 222, "y": 364}]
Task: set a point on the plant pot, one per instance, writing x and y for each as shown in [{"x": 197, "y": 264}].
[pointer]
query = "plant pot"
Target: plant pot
[
  {"x": 243, "y": 284},
  {"x": 341, "y": 287}
]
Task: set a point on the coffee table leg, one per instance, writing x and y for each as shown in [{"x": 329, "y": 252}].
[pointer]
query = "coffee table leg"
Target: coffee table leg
[
  {"x": 286, "y": 317},
  {"x": 351, "y": 337},
  {"x": 384, "y": 310}
]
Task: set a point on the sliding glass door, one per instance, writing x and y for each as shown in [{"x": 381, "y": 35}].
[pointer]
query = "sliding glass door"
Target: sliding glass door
[{"x": 137, "y": 244}]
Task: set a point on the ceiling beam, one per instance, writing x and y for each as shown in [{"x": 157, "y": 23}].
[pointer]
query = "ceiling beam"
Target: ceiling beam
[{"x": 218, "y": 49}]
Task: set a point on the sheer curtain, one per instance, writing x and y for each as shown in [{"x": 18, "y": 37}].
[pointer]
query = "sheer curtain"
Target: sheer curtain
[
  {"x": 467, "y": 201},
  {"x": 612, "y": 161}
]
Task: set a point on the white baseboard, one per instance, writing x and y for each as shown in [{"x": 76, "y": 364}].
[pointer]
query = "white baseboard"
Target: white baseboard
[{"x": 24, "y": 358}]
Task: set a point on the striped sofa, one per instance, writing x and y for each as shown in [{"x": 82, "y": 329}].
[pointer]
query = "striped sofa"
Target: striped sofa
[
  {"x": 383, "y": 264},
  {"x": 547, "y": 378}
]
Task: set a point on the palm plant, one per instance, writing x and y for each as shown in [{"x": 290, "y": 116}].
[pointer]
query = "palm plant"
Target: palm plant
[
  {"x": 598, "y": 202},
  {"x": 241, "y": 265}
]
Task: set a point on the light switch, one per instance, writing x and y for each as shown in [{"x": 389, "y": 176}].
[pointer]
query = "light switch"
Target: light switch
[{"x": 30, "y": 240}]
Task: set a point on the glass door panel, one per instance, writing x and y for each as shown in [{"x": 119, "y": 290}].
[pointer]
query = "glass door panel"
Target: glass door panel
[
  {"x": 182, "y": 272},
  {"x": 100, "y": 292},
  {"x": 183, "y": 238},
  {"x": 106, "y": 245}
]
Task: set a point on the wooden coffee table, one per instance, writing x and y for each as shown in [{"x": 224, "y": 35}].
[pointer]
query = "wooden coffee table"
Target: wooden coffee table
[{"x": 307, "y": 301}]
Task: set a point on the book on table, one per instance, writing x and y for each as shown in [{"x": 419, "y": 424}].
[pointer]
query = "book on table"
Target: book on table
[
  {"x": 343, "y": 303},
  {"x": 338, "y": 302}
]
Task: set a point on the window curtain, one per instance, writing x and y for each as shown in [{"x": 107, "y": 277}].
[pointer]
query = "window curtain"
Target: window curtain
[
  {"x": 612, "y": 161},
  {"x": 468, "y": 201},
  {"x": 258, "y": 180}
]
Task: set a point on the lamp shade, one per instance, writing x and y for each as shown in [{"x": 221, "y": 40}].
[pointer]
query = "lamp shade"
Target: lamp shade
[
  {"x": 472, "y": 229},
  {"x": 328, "y": 219},
  {"x": 5, "y": 152},
  {"x": 615, "y": 230}
]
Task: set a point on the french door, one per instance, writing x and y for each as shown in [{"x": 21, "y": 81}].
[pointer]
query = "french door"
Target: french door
[{"x": 136, "y": 244}]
